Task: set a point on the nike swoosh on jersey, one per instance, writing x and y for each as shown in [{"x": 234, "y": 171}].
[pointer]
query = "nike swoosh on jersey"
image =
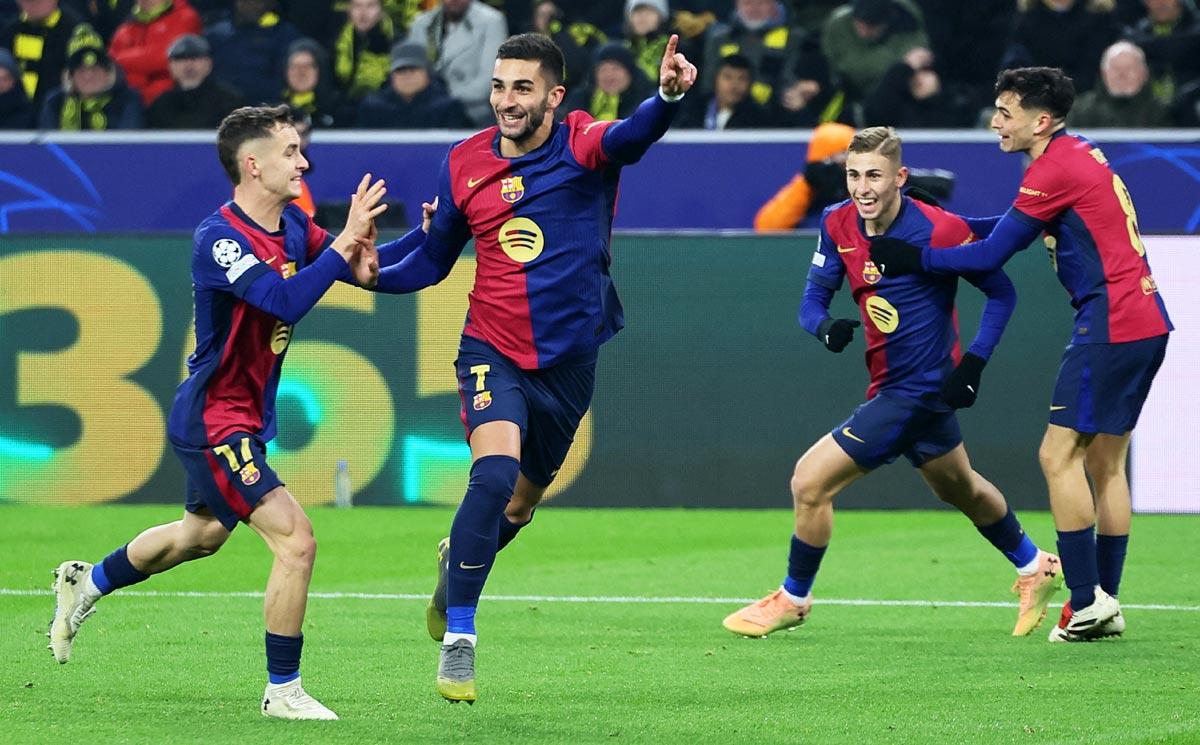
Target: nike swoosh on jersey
[
  {"x": 846, "y": 250},
  {"x": 846, "y": 431},
  {"x": 268, "y": 261},
  {"x": 464, "y": 565},
  {"x": 473, "y": 182},
  {"x": 1057, "y": 408}
]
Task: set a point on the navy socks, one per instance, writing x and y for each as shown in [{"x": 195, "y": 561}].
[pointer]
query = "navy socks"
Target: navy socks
[
  {"x": 283, "y": 657},
  {"x": 115, "y": 571},
  {"x": 1110, "y": 561},
  {"x": 803, "y": 562},
  {"x": 1007, "y": 536},
  {"x": 1077, "y": 549}
]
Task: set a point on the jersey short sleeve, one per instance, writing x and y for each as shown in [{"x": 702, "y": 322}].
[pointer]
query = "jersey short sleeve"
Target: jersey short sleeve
[
  {"x": 827, "y": 268},
  {"x": 586, "y": 140},
  {"x": 222, "y": 259},
  {"x": 1046, "y": 191}
]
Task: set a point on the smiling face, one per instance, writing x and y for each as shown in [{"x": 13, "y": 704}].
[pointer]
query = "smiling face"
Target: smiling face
[
  {"x": 1017, "y": 126},
  {"x": 874, "y": 182},
  {"x": 275, "y": 161},
  {"x": 521, "y": 98}
]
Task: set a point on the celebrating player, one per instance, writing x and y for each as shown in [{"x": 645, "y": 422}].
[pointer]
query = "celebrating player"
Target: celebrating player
[
  {"x": 259, "y": 264},
  {"x": 538, "y": 197},
  {"x": 912, "y": 351},
  {"x": 1119, "y": 341}
]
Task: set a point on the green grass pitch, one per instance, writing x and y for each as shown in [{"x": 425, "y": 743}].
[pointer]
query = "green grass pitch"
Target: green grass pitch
[{"x": 165, "y": 667}]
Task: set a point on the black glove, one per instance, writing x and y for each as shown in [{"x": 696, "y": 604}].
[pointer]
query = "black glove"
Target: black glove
[
  {"x": 835, "y": 334},
  {"x": 919, "y": 194},
  {"x": 962, "y": 385},
  {"x": 895, "y": 257}
]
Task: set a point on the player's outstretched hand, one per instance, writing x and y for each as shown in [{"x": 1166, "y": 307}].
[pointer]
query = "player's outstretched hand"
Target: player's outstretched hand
[
  {"x": 676, "y": 75},
  {"x": 365, "y": 205},
  {"x": 365, "y": 264},
  {"x": 835, "y": 334},
  {"x": 962, "y": 385},
  {"x": 895, "y": 257}
]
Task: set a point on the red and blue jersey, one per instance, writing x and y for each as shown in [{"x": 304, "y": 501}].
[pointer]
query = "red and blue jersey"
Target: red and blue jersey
[
  {"x": 542, "y": 224},
  {"x": 910, "y": 323},
  {"x": 1092, "y": 235},
  {"x": 233, "y": 373}
]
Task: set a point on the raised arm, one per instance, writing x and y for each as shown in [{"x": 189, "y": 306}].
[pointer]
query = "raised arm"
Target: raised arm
[{"x": 628, "y": 140}]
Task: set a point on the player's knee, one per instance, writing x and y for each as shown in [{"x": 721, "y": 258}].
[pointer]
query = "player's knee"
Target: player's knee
[
  {"x": 1102, "y": 468},
  {"x": 1051, "y": 458},
  {"x": 298, "y": 550},
  {"x": 807, "y": 491}
]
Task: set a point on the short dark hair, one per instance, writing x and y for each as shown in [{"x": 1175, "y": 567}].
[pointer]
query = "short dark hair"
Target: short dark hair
[
  {"x": 737, "y": 62},
  {"x": 536, "y": 47},
  {"x": 1046, "y": 88},
  {"x": 245, "y": 124}
]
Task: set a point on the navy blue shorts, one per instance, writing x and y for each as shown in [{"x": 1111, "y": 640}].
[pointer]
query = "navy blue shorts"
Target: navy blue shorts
[
  {"x": 546, "y": 404},
  {"x": 888, "y": 426},
  {"x": 228, "y": 479},
  {"x": 1102, "y": 387}
]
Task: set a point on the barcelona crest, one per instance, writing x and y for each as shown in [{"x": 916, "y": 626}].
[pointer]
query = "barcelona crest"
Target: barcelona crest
[
  {"x": 871, "y": 273},
  {"x": 512, "y": 189},
  {"x": 482, "y": 400},
  {"x": 250, "y": 474}
]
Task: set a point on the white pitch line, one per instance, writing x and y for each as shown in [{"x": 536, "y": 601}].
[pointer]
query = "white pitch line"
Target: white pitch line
[{"x": 614, "y": 599}]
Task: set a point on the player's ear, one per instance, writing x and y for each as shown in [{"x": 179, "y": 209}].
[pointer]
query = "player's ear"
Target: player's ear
[
  {"x": 557, "y": 94},
  {"x": 901, "y": 176}
]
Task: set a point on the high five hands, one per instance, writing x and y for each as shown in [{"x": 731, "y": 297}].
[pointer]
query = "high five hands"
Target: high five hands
[
  {"x": 356, "y": 243},
  {"x": 676, "y": 75}
]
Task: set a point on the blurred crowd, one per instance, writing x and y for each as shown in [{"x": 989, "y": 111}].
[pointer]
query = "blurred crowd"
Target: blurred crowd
[{"x": 421, "y": 64}]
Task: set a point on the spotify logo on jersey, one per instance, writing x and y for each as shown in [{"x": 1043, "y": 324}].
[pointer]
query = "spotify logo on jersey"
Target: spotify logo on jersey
[
  {"x": 521, "y": 239},
  {"x": 883, "y": 314}
]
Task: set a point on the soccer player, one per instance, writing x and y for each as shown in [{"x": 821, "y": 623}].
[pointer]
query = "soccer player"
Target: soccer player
[
  {"x": 917, "y": 380},
  {"x": 538, "y": 197},
  {"x": 1072, "y": 195},
  {"x": 259, "y": 264}
]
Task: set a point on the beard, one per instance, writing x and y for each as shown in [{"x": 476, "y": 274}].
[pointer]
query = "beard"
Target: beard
[{"x": 533, "y": 122}]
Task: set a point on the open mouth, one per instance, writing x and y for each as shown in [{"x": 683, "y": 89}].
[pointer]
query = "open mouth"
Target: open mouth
[
  {"x": 866, "y": 202},
  {"x": 512, "y": 118}
]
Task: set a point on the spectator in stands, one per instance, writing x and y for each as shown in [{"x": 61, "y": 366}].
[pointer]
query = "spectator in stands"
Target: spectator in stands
[
  {"x": 16, "y": 111},
  {"x": 93, "y": 98},
  {"x": 414, "y": 99},
  {"x": 1071, "y": 34},
  {"x": 1185, "y": 109},
  {"x": 606, "y": 15},
  {"x": 360, "y": 56},
  {"x": 104, "y": 16},
  {"x": 968, "y": 41},
  {"x": 1169, "y": 34},
  {"x": 462, "y": 37},
  {"x": 38, "y": 40},
  {"x": 306, "y": 88},
  {"x": 1123, "y": 98},
  {"x": 196, "y": 101},
  {"x": 140, "y": 44},
  {"x": 757, "y": 31},
  {"x": 577, "y": 39},
  {"x": 249, "y": 50},
  {"x": 647, "y": 29},
  {"x": 822, "y": 183},
  {"x": 911, "y": 94},
  {"x": 615, "y": 88},
  {"x": 864, "y": 38},
  {"x": 731, "y": 104}
]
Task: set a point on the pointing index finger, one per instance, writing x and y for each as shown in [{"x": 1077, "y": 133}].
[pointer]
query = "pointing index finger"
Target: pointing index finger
[{"x": 671, "y": 44}]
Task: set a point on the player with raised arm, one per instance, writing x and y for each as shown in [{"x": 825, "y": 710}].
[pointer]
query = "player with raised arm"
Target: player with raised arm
[
  {"x": 1073, "y": 196},
  {"x": 259, "y": 264},
  {"x": 917, "y": 380},
  {"x": 538, "y": 197}
]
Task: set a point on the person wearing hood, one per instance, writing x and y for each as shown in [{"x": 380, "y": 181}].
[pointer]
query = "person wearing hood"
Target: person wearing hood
[
  {"x": 647, "y": 30},
  {"x": 196, "y": 101},
  {"x": 306, "y": 88},
  {"x": 760, "y": 32},
  {"x": 864, "y": 38},
  {"x": 822, "y": 183},
  {"x": 1123, "y": 98},
  {"x": 413, "y": 99},
  {"x": 615, "y": 87},
  {"x": 93, "y": 98},
  {"x": 16, "y": 111}
]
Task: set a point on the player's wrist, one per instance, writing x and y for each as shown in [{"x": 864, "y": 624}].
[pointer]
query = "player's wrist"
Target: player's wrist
[{"x": 662, "y": 93}]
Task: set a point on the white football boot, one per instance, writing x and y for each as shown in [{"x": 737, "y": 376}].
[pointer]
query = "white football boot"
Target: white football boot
[
  {"x": 74, "y": 598},
  {"x": 289, "y": 701}
]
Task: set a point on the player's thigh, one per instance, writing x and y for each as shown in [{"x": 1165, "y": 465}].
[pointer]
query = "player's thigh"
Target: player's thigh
[
  {"x": 1106, "y": 456},
  {"x": 949, "y": 475},
  {"x": 229, "y": 479},
  {"x": 494, "y": 410},
  {"x": 282, "y": 522},
  {"x": 559, "y": 398},
  {"x": 823, "y": 471},
  {"x": 1062, "y": 447}
]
